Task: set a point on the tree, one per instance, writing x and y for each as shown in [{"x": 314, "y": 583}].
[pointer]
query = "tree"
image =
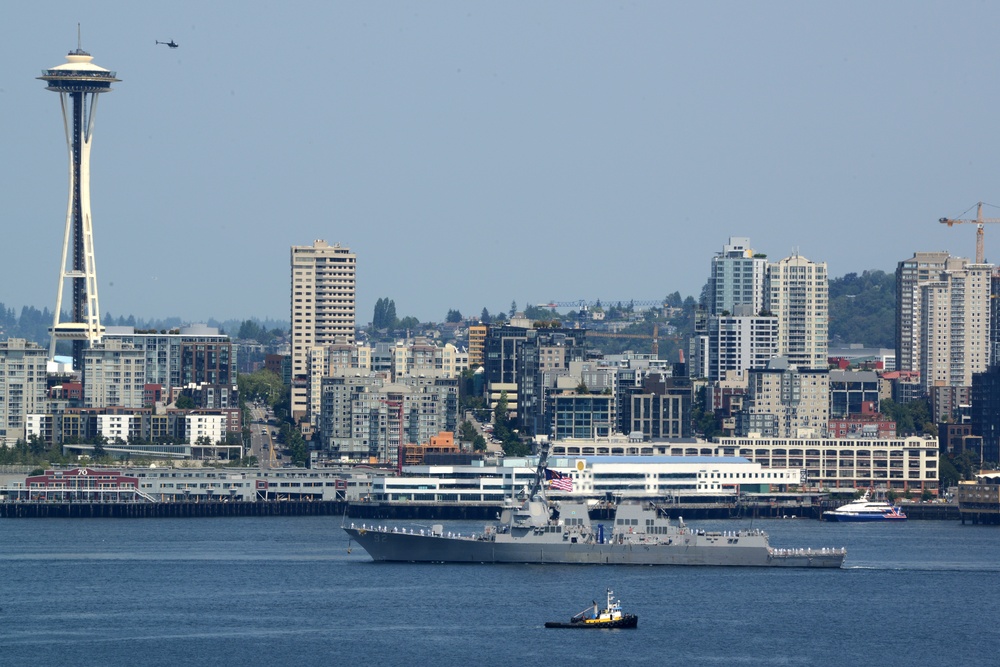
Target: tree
[
  {"x": 99, "y": 442},
  {"x": 408, "y": 322},
  {"x": 454, "y": 317},
  {"x": 948, "y": 474},
  {"x": 385, "y": 314},
  {"x": 509, "y": 441},
  {"x": 484, "y": 317},
  {"x": 862, "y": 308},
  {"x": 249, "y": 330},
  {"x": 185, "y": 402},
  {"x": 467, "y": 432},
  {"x": 263, "y": 385},
  {"x": 513, "y": 308}
]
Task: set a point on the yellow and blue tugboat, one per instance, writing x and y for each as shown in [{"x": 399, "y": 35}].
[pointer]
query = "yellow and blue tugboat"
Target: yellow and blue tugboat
[{"x": 592, "y": 617}]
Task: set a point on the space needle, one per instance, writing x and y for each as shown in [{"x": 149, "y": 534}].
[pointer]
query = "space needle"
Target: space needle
[{"x": 79, "y": 82}]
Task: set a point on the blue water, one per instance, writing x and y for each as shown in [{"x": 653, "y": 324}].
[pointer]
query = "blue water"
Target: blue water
[{"x": 286, "y": 591}]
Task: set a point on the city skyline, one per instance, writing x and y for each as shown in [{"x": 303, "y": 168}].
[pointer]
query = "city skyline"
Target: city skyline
[{"x": 474, "y": 155}]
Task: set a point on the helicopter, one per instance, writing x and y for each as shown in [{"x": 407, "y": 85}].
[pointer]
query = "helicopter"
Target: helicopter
[{"x": 172, "y": 44}]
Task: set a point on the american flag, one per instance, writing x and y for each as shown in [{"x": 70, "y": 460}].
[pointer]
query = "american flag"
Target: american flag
[{"x": 558, "y": 481}]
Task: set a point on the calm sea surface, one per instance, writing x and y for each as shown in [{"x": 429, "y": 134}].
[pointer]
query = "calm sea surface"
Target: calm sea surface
[{"x": 286, "y": 591}]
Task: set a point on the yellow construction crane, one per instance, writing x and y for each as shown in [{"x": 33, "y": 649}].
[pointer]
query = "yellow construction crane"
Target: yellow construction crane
[
  {"x": 655, "y": 351},
  {"x": 980, "y": 252}
]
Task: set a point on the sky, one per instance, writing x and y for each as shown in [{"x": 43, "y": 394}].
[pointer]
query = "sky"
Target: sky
[{"x": 472, "y": 154}]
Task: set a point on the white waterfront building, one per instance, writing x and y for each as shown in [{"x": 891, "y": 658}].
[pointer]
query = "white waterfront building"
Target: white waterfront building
[{"x": 626, "y": 477}]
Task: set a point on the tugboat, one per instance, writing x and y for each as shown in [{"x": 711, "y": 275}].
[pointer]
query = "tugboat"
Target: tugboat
[{"x": 593, "y": 618}]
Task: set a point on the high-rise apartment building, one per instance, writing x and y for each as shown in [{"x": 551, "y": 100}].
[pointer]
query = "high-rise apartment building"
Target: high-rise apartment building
[
  {"x": 797, "y": 290},
  {"x": 954, "y": 324},
  {"x": 735, "y": 334},
  {"x": 737, "y": 278},
  {"x": 943, "y": 318},
  {"x": 22, "y": 386},
  {"x": 740, "y": 341},
  {"x": 322, "y": 313},
  {"x": 909, "y": 273}
]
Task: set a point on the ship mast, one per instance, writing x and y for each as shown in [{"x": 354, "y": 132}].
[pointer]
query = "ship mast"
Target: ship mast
[{"x": 543, "y": 458}]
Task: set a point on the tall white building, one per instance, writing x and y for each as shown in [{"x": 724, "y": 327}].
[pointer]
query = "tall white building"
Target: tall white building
[
  {"x": 740, "y": 342},
  {"x": 798, "y": 296},
  {"x": 953, "y": 312},
  {"x": 322, "y": 313}
]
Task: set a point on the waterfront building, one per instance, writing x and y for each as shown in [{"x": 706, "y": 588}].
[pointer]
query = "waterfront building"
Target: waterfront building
[
  {"x": 79, "y": 82},
  {"x": 797, "y": 292},
  {"x": 979, "y": 499},
  {"x": 169, "y": 483},
  {"x": 322, "y": 313},
  {"x": 901, "y": 464},
  {"x": 22, "y": 386},
  {"x": 651, "y": 478}
]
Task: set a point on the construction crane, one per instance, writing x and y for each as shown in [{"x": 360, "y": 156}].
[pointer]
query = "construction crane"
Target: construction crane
[
  {"x": 655, "y": 351},
  {"x": 583, "y": 304},
  {"x": 980, "y": 252}
]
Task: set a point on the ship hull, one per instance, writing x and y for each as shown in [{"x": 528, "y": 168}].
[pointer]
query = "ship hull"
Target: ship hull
[
  {"x": 627, "y": 621},
  {"x": 386, "y": 546},
  {"x": 862, "y": 518}
]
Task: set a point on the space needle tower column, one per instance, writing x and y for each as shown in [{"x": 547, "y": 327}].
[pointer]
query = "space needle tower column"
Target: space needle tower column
[{"x": 78, "y": 82}]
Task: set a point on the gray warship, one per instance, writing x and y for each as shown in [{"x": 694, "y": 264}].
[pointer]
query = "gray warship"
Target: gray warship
[{"x": 538, "y": 530}]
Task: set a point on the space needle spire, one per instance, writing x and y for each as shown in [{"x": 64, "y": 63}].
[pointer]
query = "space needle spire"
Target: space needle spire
[{"x": 79, "y": 82}]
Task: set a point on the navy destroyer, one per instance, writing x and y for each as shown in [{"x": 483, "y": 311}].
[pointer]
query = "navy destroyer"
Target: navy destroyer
[{"x": 541, "y": 531}]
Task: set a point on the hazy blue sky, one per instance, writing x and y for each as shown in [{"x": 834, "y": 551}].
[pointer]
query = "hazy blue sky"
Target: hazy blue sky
[{"x": 475, "y": 153}]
